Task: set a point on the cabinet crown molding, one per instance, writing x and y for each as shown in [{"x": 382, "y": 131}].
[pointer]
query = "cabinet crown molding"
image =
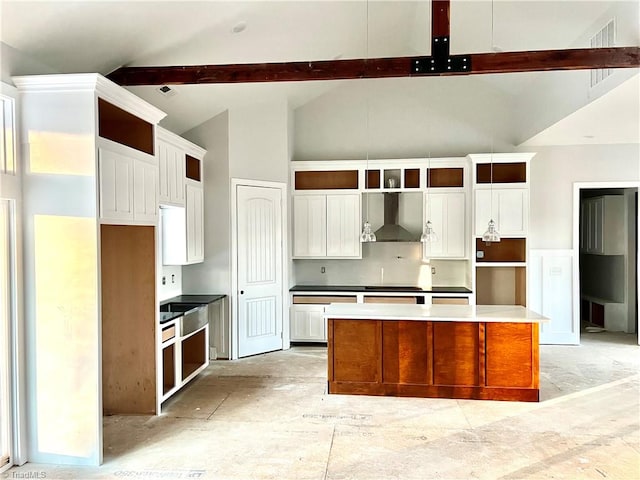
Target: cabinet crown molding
[
  {"x": 104, "y": 88},
  {"x": 178, "y": 141},
  {"x": 500, "y": 157}
]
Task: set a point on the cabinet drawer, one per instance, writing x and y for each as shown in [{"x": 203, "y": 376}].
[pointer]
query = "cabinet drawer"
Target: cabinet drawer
[
  {"x": 450, "y": 301},
  {"x": 323, "y": 300},
  {"x": 168, "y": 333},
  {"x": 379, "y": 299}
]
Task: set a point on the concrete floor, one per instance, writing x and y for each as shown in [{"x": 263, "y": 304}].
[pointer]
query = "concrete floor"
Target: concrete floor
[{"x": 268, "y": 417}]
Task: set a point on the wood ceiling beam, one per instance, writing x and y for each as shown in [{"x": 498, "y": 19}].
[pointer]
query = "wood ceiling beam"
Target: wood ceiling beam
[
  {"x": 481, "y": 63},
  {"x": 440, "y": 18}
]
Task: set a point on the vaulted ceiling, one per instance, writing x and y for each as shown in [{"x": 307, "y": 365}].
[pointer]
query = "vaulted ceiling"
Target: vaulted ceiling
[{"x": 95, "y": 36}]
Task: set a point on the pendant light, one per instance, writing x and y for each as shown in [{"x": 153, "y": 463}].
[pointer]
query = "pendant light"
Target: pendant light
[
  {"x": 367, "y": 234},
  {"x": 429, "y": 235},
  {"x": 491, "y": 235}
]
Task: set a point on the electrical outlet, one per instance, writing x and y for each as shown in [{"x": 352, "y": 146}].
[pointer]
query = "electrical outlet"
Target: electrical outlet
[
  {"x": 164, "y": 280},
  {"x": 323, "y": 270},
  {"x": 433, "y": 270}
]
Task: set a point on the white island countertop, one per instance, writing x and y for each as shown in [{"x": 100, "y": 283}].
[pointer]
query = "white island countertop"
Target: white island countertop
[{"x": 433, "y": 313}]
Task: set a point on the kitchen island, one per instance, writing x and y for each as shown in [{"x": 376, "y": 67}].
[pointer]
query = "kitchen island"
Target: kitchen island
[{"x": 438, "y": 351}]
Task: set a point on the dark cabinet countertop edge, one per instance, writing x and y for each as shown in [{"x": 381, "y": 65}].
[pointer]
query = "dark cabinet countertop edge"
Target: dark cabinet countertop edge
[{"x": 378, "y": 289}]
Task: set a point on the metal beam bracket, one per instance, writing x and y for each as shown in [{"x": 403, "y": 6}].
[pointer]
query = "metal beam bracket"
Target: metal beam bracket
[{"x": 435, "y": 66}]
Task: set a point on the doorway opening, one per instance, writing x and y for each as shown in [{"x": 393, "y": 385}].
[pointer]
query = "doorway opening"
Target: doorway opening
[{"x": 608, "y": 262}]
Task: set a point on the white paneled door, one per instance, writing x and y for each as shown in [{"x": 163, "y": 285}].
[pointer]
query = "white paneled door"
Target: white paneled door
[{"x": 260, "y": 272}]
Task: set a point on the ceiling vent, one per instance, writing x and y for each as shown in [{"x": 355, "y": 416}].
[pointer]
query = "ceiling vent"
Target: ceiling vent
[
  {"x": 167, "y": 91},
  {"x": 603, "y": 39}
]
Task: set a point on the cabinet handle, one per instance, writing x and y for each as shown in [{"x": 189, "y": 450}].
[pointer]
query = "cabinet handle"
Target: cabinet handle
[{"x": 241, "y": 292}]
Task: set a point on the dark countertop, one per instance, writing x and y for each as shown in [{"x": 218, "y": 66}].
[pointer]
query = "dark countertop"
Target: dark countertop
[
  {"x": 168, "y": 316},
  {"x": 201, "y": 299},
  {"x": 376, "y": 289},
  {"x": 194, "y": 299}
]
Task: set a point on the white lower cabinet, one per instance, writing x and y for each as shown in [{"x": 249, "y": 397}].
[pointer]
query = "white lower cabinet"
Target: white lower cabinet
[
  {"x": 308, "y": 324},
  {"x": 446, "y": 211},
  {"x": 128, "y": 188},
  {"x": 508, "y": 207},
  {"x": 326, "y": 226},
  {"x": 183, "y": 230}
]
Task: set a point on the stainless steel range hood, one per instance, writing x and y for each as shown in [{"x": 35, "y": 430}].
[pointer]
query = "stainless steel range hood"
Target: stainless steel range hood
[{"x": 391, "y": 230}]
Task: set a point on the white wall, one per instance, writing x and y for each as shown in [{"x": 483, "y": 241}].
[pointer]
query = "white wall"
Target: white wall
[
  {"x": 383, "y": 263},
  {"x": 553, "y": 173},
  {"x": 552, "y": 96},
  {"x": 249, "y": 143},
  {"x": 408, "y": 117},
  {"x": 258, "y": 141},
  {"x": 14, "y": 63},
  {"x": 212, "y": 276}
]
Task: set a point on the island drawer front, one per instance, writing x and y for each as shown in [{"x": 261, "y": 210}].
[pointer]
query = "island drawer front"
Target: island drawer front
[
  {"x": 380, "y": 299},
  {"x": 450, "y": 300},
  {"x": 323, "y": 300},
  {"x": 168, "y": 333}
]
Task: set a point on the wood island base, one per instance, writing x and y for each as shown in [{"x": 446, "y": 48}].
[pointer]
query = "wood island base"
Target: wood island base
[{"x": 434, "y": 359}]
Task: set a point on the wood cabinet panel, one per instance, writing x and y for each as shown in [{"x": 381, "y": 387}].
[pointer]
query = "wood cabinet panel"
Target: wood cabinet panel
[
  {"x": 445, "y": 177},
  {"x": 506, "y": 250},
  {"x": 407, "y": 356},
  {"x": 412, "y": 178},
  {"x": 511, "y": 358},
  {"x": 120, "y": 126},
  {"x": 358, "y": 355},
  {"x": 502, "y": 172},
  {"x": 488, "y": 361},
  {"x": 192, "y": 168},
  {"x": 128, "y": 282},
  {"x": 326, "y": 180},
  {"x": 455, "y": 353},
  {"x": 372, "y": 179},
  {"x": 390, "y": 299}
]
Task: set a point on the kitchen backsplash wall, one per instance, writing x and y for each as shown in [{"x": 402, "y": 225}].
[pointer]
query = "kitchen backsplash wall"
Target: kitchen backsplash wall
[
  {"x": 173, "y": 282},
  {"x": 384, "y": 263}
]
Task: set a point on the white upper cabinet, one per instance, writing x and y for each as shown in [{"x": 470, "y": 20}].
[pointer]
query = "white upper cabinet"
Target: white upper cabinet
[
  {"x": 326, "y": 226},
  {"x": 182, "y": 196},
  {"x": 508, "y": 207},
  {"x": 602, "y": 225},
  {"x": 309, "y": 226},
  {"x": 446, "y": 211},
  {"x": 343, "y": 225},
  {"x": 171, "y": 164},
  {"x": 128, "y": 186},
  {"x": 195, "y": 223}
]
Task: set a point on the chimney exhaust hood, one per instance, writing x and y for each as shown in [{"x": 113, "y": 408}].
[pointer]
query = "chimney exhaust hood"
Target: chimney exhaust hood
[{"x": 391, "y": 231}]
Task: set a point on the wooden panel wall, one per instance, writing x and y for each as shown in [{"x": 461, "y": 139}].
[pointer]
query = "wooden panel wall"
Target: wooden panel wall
[{"x": 128, "y": 278}]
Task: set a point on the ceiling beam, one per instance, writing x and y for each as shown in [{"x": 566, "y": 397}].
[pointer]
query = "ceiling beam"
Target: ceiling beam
[
  {"x": 440, "y": 18},
  {"x": 481, "y": 63}
]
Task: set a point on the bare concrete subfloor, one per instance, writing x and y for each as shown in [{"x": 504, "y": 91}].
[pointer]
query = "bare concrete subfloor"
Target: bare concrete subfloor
[{"x": 269, "y": 417}]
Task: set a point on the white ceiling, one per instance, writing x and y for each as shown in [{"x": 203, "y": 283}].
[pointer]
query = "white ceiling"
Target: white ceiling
[{"x": 100, "y": 36}]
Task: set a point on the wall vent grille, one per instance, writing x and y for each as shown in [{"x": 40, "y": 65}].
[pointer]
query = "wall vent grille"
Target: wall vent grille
[{"x": 603, "y": 39}]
